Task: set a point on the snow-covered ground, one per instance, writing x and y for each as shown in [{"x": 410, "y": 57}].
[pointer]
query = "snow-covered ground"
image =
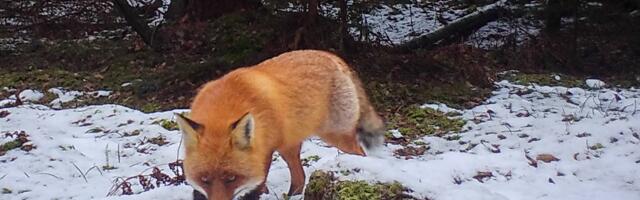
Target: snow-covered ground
[{"x": 589, "y": 136}]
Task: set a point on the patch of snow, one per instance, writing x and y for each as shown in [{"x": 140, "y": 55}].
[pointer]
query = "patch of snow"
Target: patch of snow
[
  {"x": 31, "y": 95},
  {"x": 401, "y": 22},
  {"x": 6, "y": 102},
  {"x": 395, "y": 133},
  {"x": 595, "y": 83},
  {"x": 498, "y": 33},
  {"x": 100, "y": 93},
  {"x": 63, "y": 96},
  {"x": 440, "y": 107}
]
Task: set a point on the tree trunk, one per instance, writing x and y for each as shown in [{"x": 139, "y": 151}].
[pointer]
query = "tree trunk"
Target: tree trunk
[
  {"x": 457, "y": 29},
  {"x": 552, "y": 16},
  {"x": 342, "y": 4},
  {"x": 312, "y": 13},
  {"x": 300, "y": 37},
  {"x": 137, "y": 23}
]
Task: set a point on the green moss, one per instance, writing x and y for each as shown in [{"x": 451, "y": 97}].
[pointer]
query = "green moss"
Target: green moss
[
  {"x": 11, "y": 145},
  {"x": 94, "y": 65},
  {"x": 319, "y": 185},
  {"x": 151, "y": 107},
  {"x": 544, "y": 79},
  {"x": 167, "y": 124},
  {"x": 357, "y": 190},
  {"x": 398, "y": 103},
  {"x": 417, "y": 122},
  {"x": 420, "y": 143},
  {"x": 323, "y": 185},
  {"x": 308, "y": 160},
  {"x": 596, "y": 146}
]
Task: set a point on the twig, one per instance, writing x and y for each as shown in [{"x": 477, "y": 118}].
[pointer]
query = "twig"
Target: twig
[
  {"x": 118, "y": 152},
  {"x": 96, "y": 167},
  {"x": 83, "y": 176},
  {"x": 106, "y": 153},
  {"x": 635, "y": 107},
  {"x": 584, "y": 103},
  {"x": 51, "y": 175},
  {"x": 179, "y": 146}
]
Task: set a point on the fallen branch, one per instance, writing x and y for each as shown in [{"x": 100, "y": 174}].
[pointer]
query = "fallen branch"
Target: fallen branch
[{"x": 459, "y": 28}]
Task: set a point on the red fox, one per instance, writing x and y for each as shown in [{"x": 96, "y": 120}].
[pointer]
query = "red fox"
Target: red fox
[{"x": 239, "y": 120}]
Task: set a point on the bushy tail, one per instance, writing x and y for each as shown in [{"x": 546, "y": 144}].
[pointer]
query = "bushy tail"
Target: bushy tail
[{"x": 370, "y": 130}]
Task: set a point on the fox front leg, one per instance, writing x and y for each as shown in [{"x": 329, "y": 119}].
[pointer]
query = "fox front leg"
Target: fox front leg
[{"x": 291, "y": 156}]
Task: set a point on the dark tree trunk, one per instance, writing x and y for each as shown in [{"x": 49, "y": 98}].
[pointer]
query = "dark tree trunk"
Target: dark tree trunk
[
  {"x": 139, "y": 25},
  {"x": 342, "y": 4},
  {"x": 312, "y": 13},
  {"x": 300, "y": 36},
  {"x": 553, "y": 16}
]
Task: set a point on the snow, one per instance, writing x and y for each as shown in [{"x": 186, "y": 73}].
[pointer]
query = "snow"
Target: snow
[
  {"x": 25, "y": 96},
  {"x": 595, "y": 83},
  {"x": 395, "y": 133},
  {"x": 63, "y": 96},
  {"x": 31, "y": 95},
  {"x": 593, "y": 133},
  {"x": 440, "y": 107}
]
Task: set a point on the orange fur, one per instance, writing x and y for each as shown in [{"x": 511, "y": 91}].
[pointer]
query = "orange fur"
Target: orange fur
[{"x": 239, "y": 120}]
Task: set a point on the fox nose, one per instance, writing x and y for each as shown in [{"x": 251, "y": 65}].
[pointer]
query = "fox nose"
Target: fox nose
[{"x": 198, "y": 196}]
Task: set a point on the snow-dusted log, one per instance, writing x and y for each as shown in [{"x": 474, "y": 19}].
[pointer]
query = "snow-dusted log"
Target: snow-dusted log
[{"x": 459, "y": 28}]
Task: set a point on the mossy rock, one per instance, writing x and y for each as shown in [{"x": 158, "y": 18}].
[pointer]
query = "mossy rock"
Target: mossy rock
[{"x": 324, "y": 185}]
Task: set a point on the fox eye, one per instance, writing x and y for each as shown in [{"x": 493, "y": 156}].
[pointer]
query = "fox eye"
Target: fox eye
[
  {"x": 229, "y": 179},
  {"x": 205, "y": 180}
]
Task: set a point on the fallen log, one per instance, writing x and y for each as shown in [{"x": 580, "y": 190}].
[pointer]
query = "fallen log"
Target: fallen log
[{"x": 459, "y": 28}]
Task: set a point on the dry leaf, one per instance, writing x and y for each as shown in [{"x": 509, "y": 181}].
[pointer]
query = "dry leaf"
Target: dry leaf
[
  {"x": 546, "y": 158},
  {"x": 482, "y": 175}
]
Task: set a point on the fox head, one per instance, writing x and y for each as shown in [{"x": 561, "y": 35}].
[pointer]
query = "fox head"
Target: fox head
[{"x": 220, "y": 160}]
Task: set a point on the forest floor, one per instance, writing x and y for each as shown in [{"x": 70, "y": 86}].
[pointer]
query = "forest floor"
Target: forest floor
[{"x": 526, "y": 141}]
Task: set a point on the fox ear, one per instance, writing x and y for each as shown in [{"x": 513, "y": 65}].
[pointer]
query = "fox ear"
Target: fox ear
[
  {"x": 189, "y": 128},
  {"x": 242, "y": 131}
]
